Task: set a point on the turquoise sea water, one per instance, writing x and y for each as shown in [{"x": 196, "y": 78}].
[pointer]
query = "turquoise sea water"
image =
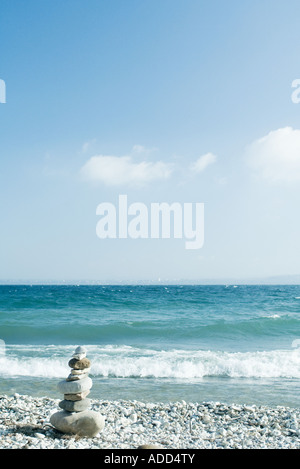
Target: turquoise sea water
[{"x": 155, "y": 343}]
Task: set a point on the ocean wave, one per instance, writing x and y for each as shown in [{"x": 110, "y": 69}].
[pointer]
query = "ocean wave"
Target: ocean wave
[
  {"x": 146, "y": 331},
  {"x": 189, "y": 365},
  {"x": 130, "y": 362},
  {"x": 31, "y": 367}
]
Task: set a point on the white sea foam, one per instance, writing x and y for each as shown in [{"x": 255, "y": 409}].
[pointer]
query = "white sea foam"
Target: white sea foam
[
  {"x": 125, "y": 362},
  {"x": 34, "y": 367},
  {"x": 188, "y": 365},
  {"x": 272, "y": 316}
]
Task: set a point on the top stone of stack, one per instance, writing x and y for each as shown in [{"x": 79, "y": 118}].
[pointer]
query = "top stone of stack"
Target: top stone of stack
[
  {"x": 80, "y": 352},
  {"x": 79, "y": 360}
]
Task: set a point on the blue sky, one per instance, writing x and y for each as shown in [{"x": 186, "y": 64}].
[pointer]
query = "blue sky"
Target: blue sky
[{"x": 145, "y": 90}]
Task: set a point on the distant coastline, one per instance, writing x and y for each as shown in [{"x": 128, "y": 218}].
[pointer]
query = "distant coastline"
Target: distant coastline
[{"x": 273, "y": 280}]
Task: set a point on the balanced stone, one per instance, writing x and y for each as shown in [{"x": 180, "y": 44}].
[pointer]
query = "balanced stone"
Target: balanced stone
[
  {"x": 74, "y": 387},
  {"x": 79, "y": 349},
  {"x": 73, "y": 377},
  {"x": 75, "y": 406},
  {"x": 87, "y": 423},
  {"x": 79, "y": 356},
  {"x": 76, "y": 397},
  {"x": 79, "y": 364},
  {"x": 80, "y": 372},
  {"x": 80, "y": 352}
]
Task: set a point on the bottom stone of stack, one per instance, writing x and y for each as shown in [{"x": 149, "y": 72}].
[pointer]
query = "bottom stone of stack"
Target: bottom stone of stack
[{"x": 87, "y": 423}]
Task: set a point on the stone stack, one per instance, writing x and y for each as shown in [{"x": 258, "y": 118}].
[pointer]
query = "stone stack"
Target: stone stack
[
  {"x": 76, "y": 418},
  {"x": 78, "y": 384}
]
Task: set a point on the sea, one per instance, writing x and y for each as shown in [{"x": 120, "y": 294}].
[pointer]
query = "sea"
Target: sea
[{"x": 155, "y": 343}]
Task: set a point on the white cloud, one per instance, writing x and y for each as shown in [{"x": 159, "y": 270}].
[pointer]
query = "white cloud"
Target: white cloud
[
  {"x": 201, "y": 163},
  {"x": 136, "y": 168},
  {"x": 276, "y": 157},
  {"x": 113, "y": 170}
]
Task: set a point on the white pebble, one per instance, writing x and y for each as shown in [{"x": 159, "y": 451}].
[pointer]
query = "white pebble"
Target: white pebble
[{"x": 130, "y": 424}]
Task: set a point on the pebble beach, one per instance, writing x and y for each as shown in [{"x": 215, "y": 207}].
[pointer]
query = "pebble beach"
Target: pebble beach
[{"x": 25, "y": 424}]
